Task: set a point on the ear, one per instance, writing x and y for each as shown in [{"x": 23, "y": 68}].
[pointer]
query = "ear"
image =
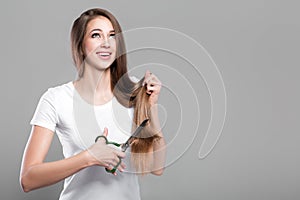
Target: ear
[{"x": 81, "y": 51}]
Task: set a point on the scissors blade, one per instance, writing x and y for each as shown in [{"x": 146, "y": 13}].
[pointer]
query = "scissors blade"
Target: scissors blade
[{"x": 136, "y": 132}]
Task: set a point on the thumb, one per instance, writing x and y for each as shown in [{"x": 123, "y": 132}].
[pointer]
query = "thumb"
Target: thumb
[
  {"x": 105, "y": 132},
  {"x": 147, "y": 74}
]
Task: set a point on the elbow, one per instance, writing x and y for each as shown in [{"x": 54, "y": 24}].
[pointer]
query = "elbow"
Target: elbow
[
  {"x": 158, "y": 172},
  {"x": 25, "y": 184},
  {"x": 26, "y": 190}
]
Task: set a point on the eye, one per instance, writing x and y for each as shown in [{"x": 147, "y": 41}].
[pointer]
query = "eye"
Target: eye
[
  {"x": 112, "y": 35},
  {"x": 96, "y": 35}
]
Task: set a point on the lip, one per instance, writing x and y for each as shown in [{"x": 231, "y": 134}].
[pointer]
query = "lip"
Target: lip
[{"x": 104, "y": 55}]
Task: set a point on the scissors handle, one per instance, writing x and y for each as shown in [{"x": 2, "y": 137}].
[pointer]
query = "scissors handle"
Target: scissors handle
[
  {"x": 106, "y": 140},
  {"x": 113, "y": 170}
]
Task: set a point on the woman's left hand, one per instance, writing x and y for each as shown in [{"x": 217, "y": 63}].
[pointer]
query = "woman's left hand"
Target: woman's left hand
[{"x": 153, "y": 86}]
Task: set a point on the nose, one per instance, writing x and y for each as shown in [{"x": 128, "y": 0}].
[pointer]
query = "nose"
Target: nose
[{"x": 105, "y": 43}]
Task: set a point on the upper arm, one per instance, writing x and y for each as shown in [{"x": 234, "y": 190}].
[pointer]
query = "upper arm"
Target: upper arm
[
  {"x": 45, "y": 114},
  {"x": 37, "y": 147},
  {"x": 43, "y": 127}
]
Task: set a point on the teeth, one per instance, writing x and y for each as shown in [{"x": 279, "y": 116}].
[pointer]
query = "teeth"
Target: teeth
[{"x": 104, "y": 54}]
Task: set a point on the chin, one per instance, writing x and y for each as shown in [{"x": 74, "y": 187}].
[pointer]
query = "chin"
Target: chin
[{"x": 104, "y": 66}]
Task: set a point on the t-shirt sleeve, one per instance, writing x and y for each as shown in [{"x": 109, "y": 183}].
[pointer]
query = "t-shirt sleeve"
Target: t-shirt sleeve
[
  {"x": 45, "y": 114},
  {"x": 134, "y": 79}
]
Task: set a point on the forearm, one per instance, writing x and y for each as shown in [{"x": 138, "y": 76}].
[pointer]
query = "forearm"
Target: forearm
[
  {"x": 159, "y": 156},
  {"x": 159, "y": 146},
  {"x": 154, "y": 122},
  {"x": 48, "y": 173}
]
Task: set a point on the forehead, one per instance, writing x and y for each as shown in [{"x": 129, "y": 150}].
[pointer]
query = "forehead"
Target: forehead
[{"x": 100, "y": 23}]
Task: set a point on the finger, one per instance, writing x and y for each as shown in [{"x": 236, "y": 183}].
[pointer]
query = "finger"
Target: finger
[
  {"x": 153, "y": 89},
  {"x": 150, "y": 88},
  {"x": 106, "y": 165},
  {"x": 120, "y": 154},
  {"x": 121, "y": 167},
  {"x": 109, "y": 167},
  {"x": 152, "y": 81},
  {"x": 110, "y": 170},
  {"x": 105, "y": 132},
  {"x": 149, "y": 92},
  {"x": 113, "y": 162},
  {"x": 148, "y": 73},
  {"x": 146, "y": 77}
]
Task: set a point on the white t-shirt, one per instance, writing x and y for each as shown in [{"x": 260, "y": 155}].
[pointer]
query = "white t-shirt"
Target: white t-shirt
[{"x": 77, "y": 124}]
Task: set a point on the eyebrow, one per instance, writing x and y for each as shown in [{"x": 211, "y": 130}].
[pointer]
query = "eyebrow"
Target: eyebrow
[{"x": 98, "y": 29}]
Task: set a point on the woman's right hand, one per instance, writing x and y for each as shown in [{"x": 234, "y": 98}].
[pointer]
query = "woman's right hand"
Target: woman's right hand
[{"x": 106, "y": 156}]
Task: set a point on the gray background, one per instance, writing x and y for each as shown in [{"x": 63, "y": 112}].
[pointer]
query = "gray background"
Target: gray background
[{"x": 256, "y": 47}]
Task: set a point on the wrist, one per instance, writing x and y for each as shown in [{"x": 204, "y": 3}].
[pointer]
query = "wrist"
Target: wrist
[{"x": 89, "y": 159}]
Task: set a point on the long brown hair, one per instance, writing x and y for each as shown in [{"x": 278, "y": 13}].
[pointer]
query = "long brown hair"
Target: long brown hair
[{"x": 128, "y": 93}]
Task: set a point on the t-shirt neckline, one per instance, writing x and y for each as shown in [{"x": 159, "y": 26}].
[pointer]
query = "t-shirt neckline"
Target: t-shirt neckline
[{"x": 106, "y": 104}]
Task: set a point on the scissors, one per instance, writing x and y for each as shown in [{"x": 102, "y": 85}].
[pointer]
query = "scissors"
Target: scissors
[{"x": 125, "y": 145}]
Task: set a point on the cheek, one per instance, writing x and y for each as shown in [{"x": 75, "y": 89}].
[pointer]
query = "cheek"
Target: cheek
[
  {"x": 113, "y": 46},
  {"x": 89, "y": 47}
]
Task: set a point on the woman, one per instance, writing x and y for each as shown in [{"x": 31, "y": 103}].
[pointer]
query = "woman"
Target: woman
[{"x": 98, "y": 51}]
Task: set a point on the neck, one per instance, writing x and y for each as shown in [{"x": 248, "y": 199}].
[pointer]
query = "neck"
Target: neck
[{"x": 95, "y": 86}]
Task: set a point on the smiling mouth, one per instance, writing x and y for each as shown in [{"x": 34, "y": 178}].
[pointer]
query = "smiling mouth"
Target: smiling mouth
[{"x": 104, "y": 55}]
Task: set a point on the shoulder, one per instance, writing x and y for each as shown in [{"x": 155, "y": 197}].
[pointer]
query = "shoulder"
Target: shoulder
[
  {"x": 59, "y": 91},
  {"x": 63, "y": 88}
]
